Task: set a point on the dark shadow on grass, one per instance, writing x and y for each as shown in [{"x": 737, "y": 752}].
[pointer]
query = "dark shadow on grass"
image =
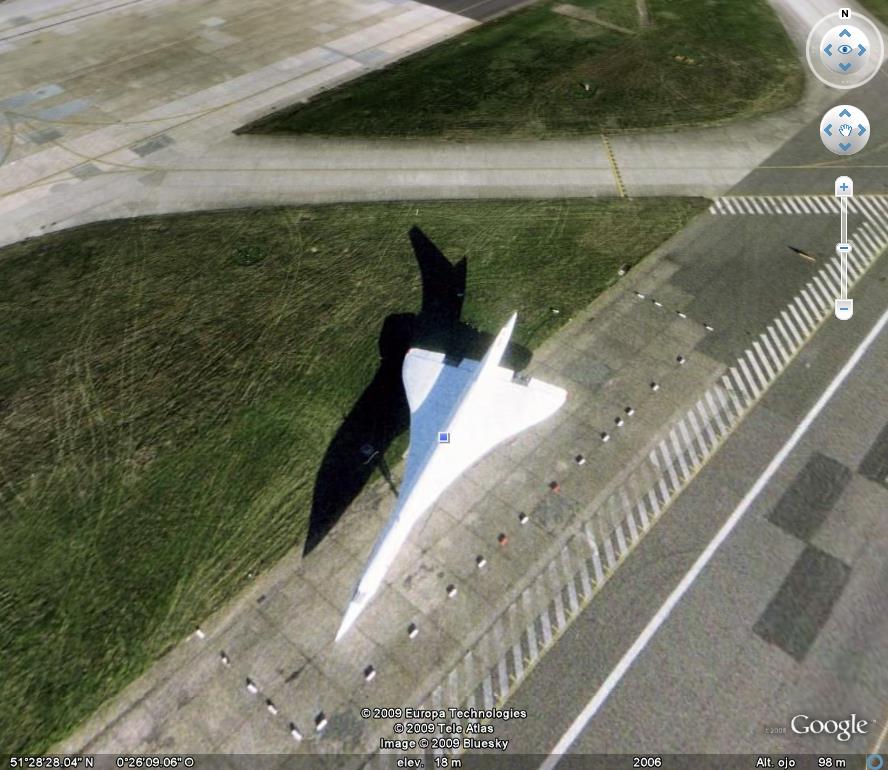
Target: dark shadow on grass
[{"x": 381, "y": 413}]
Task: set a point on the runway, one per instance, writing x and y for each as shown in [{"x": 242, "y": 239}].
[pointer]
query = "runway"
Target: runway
[{"x": 788, "y": 618}]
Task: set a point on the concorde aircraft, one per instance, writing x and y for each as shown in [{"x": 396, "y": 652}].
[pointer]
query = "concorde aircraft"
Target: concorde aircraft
[{"x": 458, "y": 413}]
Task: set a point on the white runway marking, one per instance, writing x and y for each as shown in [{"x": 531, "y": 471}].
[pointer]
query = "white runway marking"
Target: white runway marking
[
  {"x": 870, "y": 206},
  {"x": 591, "y": 709}
]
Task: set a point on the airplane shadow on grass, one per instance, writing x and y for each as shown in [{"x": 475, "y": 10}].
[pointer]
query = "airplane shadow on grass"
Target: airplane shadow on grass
[{"x": 381, "y": 413}]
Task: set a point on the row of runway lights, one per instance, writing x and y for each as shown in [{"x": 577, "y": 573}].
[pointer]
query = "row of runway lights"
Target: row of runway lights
[{"x": 480, "y": 560}]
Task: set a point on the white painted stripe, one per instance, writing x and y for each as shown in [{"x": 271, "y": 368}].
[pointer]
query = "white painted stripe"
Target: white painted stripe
[
  {"x": 866, "y": 206},
  {"x": 590, "y": 537},
  {"x": 654, "y": 502},
  {"x": 679, "y": 455},
  {"x": 585, "y": 581},
  {"x": 877, "y": 238},
  {"x": 765, "y": 361},
  {"x": 879, "y": 202},
  {"x": 740, "y": 383},
  {"x": 573, "y": 601},
  {"x": 621, "y": 540},
  {"x": 702, "y": 430},
  {"x": 819, "y": 204},
  {"x": 865, "y": 247},
  {"x": 689, "y": 441},
  {"x": 487, "y": 688},
  {"x": 643, "y": 513},
  {"x": 662, "y": 614},
  {"x": 728, "y": 206},
  {"x": 806, "y": 314},
  {"x": 803, "y": 205},
  {"x": 667, "y": 458},
  {"x": 663, "y": 489},
  {"x": 706, "y": 421},
  {"x": 863, "y": 238},
  {"x": 533, "y": 645},
  {"x": 816, "y": 204},
  {"x": 833, "y": 203},
  {"x": 809, "y": 199},
  {"x": 757, "y": 206},
  {"x": 633, "y": 528},
  {"x": 609, "y": 555},
  {"x": 879, "y": 230},
  {"x": 856, "y": 265},
  {"x": 546, "y": 623},
  {"x": 771, "y": 350},
  {"x": 804, "y": 326},
  {"x": 502, "y": 670},
  {"x": 716, "y": 413},
  {"x": 795, "y": 206},
  {"x": 712, "y": 209},
  {"x": 729, "y": 400},
  {"x": 858, "y": 261},
  {"x": 876, "y": 229},
  {"x": 814, "y": 305},
  {"x": 824, "y": 287},
  {"x": 788, "y": 330},
  {"x": 829, "y": 274},
  {"x": 774, "y": 344},
  {"x": 597, "y": 568},
  {"x": 661, "y": 481},
  {"x": 749, "y": 381},
  {"x": 820, "y": 292},
  {"x": 755, "y": 384},
  {"x": 783, "y": 205},
  {"x": 833, "y": 273},
  {"x": 517, "y": 661},
  {"x": 720, "y": 205}
]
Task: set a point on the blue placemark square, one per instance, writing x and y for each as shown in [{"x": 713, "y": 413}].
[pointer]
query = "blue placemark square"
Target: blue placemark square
[{"x": 443, "y": 438}]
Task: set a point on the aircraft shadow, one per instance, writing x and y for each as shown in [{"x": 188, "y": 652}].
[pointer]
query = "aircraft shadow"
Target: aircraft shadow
[{"x": 381, "y": 413}]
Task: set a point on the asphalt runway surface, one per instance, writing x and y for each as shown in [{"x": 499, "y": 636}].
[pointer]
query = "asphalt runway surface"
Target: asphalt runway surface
[{"x": 791, "y": 615}]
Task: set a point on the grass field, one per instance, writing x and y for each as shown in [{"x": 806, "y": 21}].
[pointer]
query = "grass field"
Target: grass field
[
  {"x": 879, "y": 9},
  {"x": 526, "y": 75},
  {"x": 171, "y": 383}
]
